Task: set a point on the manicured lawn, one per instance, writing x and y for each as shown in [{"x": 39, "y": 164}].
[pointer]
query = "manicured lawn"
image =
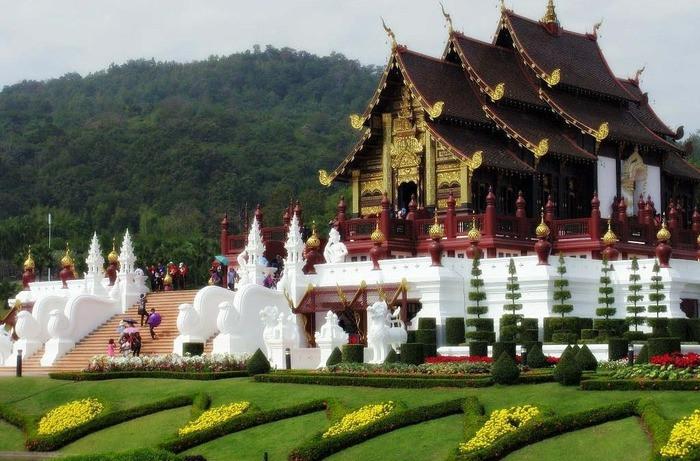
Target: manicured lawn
[
  {"x": 446, "y": 434},
  {"x": 34, "y": 396},
  {"x": 622, "y": 440},
  {"x": 277, "y": 439}
]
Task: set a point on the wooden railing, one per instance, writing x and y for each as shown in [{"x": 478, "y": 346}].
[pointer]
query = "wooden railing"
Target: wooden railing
[
  {"x": 359, "y": 229},
  {"x": 571, "y": 228}
]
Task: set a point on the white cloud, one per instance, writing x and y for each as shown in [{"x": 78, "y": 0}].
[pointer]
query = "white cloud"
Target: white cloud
[{"x": 41, "y": 39}]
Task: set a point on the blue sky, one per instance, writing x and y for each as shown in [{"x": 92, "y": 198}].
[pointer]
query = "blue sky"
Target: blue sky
[{"x": 41, "y": 39}]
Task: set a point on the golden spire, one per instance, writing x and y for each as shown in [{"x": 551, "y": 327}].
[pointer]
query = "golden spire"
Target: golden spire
[
  {"x": 610, "y": 238},
  {"x": 377, "y": 236},
  {"x": 474, "y": 234},
  {"x": 664, "y": 234},
  {"x": 448, "y": 19},
  {"x": 550, "y": 16},
  {"x": 29, "y": 262},
  {"x": 542, "y": 229},
  {"x": 313, "y": 241},
  {"x": 435, "y": 230},
  {"x": 66, "y": 260},
  {"x": 113, "y": 257},
  {"x": 390, "y": 33}
]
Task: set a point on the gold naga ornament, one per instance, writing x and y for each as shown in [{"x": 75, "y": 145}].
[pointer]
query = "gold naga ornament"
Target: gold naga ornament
[
  {"x": 602, "y": 132},
  {"x": 541, "y": 149},
  {"x": 497, "y": 92},
  {"x": 357, "y": 121},
  {"x": 553, "y": 78}
]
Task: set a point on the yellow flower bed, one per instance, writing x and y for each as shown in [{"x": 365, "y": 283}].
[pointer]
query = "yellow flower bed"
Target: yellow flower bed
[
  {"x": 685, "y": 436},
  {"x": 358, "y": 418},
  {"x": 69, "y": 415},
  {"x": 500, "y": 423},
  {"x": 214, "y": 416}
]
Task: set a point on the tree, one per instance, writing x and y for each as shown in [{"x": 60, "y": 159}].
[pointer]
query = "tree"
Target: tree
[
  {"x": 633, "y": 298},
  {"x": 476, "y": 295},
  {"x": 606, "y": 298},
  {"x": 561, "y": 293},
  {"x": 509, "y": 322},
  {"x": 655, "y": 297}
]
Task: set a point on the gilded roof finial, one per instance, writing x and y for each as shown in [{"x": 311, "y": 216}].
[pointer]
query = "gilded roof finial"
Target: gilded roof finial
[
  {"x": 29, "y": 262},
  {"x": 448, "y": 18},
  {"x": 390, "y": 33},
  {"x": 503, "y": 6},
  {"x": 639, "y": 73},
  {"x": 550, "y": 16},
  {"x": 596, "y": 27}
]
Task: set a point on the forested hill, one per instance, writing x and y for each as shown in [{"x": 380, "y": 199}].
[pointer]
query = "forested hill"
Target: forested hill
[{"x": 166, "y": 148}]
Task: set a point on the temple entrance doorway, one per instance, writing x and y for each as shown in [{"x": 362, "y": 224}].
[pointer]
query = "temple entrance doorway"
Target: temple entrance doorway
[{"x": 406, "y": 190}]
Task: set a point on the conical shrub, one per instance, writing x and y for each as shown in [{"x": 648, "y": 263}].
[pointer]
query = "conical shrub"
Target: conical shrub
[
  {"x": 335, "y": 358},
  {"x": 586, "y": 360},
  {"x": 504, "y": 370},
  {"x": 575, "y": 349},
  {"x": 258, "y": 364},
  {"x": 536, "y": 358},
  {"x": 643, "y": 356},
  {"x": 567, "y": 371}
]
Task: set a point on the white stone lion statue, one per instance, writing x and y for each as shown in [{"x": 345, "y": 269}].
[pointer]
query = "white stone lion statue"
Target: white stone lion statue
[{"x": 384, "y": 330}]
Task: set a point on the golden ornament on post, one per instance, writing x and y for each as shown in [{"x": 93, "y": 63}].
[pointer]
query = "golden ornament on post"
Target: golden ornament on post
[
  {"x": 664, "y": 235},
  {"x": 29, "y": 262},
  {"x": 113, "y": 257},
  {"x": 66, "y": 260},
  {"x": 436, "y": 232},
  {"x": 610, "y": 238},
  {"x": 474, "y": 233},
  {"x": 313, "y": 241},
  {"x": 377, "y": 235},
  {"x": 542, "y": 230}
]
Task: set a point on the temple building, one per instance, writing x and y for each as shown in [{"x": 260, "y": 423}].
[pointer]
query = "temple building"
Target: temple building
[{"x": 533, "y": 122}]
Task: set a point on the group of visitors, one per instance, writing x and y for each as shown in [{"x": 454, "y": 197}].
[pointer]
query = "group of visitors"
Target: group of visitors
[
  {"x": 130, "y": 340},
  {"x": 168, "y": 277},
  {"x": 227, "y": 276}
]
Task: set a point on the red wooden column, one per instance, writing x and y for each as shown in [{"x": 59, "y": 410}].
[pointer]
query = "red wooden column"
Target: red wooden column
[
  {"x": 489, "y": 226},
  {"x": 521, "y": 215},
  {"x": 340, "y": 216},
  {"x": 663, "y": 249},
  {"x": 622, "y": 217},
  {"x": 673, "y": 222},
  {"x": 412, "y": 207},
  {"x": 594, "y": 222},
  {"x": 223, "y": 239},
  {"x": 549, "y": 212},
  {"x": 451, "y": 217}
]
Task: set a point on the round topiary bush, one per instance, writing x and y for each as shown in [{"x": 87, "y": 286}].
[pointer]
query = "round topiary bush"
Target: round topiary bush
[
  {"x": 661, "y": 346},
  {"x": 643, "y": 356},
  {"x": 426, "y": 323},
  {"x": 392, "y": 357},
  {"x": 503, "y": 346},
  {"x": 335, "y": 358},
  {"x": 258, "y": 364},
  {"x": 536, "y": 358},
  {"x": 586, "y": 360},
  {"x": 567, "y": 372},
  {"x": 353, "y": 353},
  {"x": 412, "y": 353},
  {"x": 617, "y": 348},
  {"x": 504, "y": 370},
  {"x": 479, "y": 348},
  {"x": 454, "y": 331}
]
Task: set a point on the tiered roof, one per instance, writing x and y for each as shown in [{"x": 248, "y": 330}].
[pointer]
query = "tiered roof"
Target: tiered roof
[{"x": 531, "y": 86}]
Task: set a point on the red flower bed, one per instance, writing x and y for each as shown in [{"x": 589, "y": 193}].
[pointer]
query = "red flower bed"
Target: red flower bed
[
  {"x": 552, "y": 360},
  {"x": 455, "y": 359},
  {"x": 677, "y": 359}
]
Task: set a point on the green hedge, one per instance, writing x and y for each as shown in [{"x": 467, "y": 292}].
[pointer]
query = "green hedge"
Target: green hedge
[
  {"x": 412, "y": 353},
  {"x": 143, "y": 454},
  {"x": 571, "y": 324},
  {"x": 503, "y": 346},
  {"x": 411, "y": 336},
  {"x": 429, "y": 350},
  {"x": 239, "y": 423},
  {"x": 480, "y": 324},
  {"x": 427, "y": 323},
  {"x": 480, "y": 348},
  {"x": 454, "y": 331},
  {"x": 425, "y": 336},
  {"x": 617, "y": 326},
  {"x": 693, "y": 329},
  {"x": 640, "y": 385},
  {"x": 661, "y": 346},
  {"x": 202, "y": 376},
  {"x": 36, "y": 442},
  {"x": 318, "y": 448},
  {"x": 589, "y": 333},
  {"x": 353, "y": 353},
  {"x": 617, "y": 348},
  {"x": 193, "y": 348},
  {"x": 564, "y": 337},
  {"x": 487, "y": 336},
  {"x": 530, "y": 335},
  {"x": 634, "y": 335},
  {"x": 678, "y": 328},
  {"x": 548, "y": 427},
  {"x": 366, "y": 381}
]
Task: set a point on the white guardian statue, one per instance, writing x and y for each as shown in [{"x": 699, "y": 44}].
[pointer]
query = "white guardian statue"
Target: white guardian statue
[
  {"x": 335, "y": 250},
  {"x": 384, "y": 330}
]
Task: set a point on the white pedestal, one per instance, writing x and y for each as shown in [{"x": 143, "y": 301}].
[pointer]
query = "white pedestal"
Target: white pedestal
[
  {"x": 54, "y": 349},
  {"x": 182, "y": 339},
  {"x": 28, "y": 348},
  {"x": 326, "y": 348}
]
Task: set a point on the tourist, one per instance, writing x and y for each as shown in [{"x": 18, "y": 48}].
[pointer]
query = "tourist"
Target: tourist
[
  {"x": 158, "y": 281},
  {"x": 143, "y": 311},
  {"x": 120, "y": 328},
  {"x": 125, "y": 345},
  {"x": 269, "y": 281},
  {"x": 135, "y": 344},
  {"x": 231, "y": 278},
  {"x": 184, "y": 270},
  {"x": 111, "y": 348},
  {"x": 174, "y": 273},
  {"x": 153, "y": 321}
]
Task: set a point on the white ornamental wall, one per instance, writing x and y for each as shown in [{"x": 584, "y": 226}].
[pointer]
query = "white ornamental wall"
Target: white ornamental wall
[
  {"x": 607, "y": 184},
  {"x": 653, "y": 186}
]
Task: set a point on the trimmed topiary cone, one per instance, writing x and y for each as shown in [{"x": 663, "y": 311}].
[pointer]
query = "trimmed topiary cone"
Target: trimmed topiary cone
[
  {"x": 392, "y": 357},
  {"x": 586, "y": 360},
  {"x": 643, "y": 356},
  {"x": 335, "y": 358},
  {"x": 567, "y": 371},
  {"x": 575, "y": 349},
  {"x": 258, "y": 364},
  {"x": 504, "y": 370},
  {"x": 536, "y": 358}
]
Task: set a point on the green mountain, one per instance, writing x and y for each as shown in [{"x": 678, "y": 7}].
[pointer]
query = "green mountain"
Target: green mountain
[{"x": 166, "y": 148}]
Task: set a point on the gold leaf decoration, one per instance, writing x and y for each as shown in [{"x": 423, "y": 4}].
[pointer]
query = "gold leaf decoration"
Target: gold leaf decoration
[
  {"x": 435, "y": 111},
  {"x": 498, "y": 92},
  {"x": 553, "y": 78},
  {"x": 541, "y": 149},
  {"x": 324, "y": 178},
  {"x": 357, "y": 121},
  {"x": 602, "y": 133},
  {"x": 476, "y": 160}
]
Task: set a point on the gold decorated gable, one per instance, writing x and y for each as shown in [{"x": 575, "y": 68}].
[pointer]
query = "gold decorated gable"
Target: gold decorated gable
[
  {"x": 405, "y": 146},
  {"x": 447, "y": 178}
]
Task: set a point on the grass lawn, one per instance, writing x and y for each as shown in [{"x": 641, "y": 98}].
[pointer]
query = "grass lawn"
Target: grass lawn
[
  {"x": 622, "y": 440},
  {"x": 34, "y": 396},
  {"x": 11, "y": 438},
  {"x": 450, "y": 430}
]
